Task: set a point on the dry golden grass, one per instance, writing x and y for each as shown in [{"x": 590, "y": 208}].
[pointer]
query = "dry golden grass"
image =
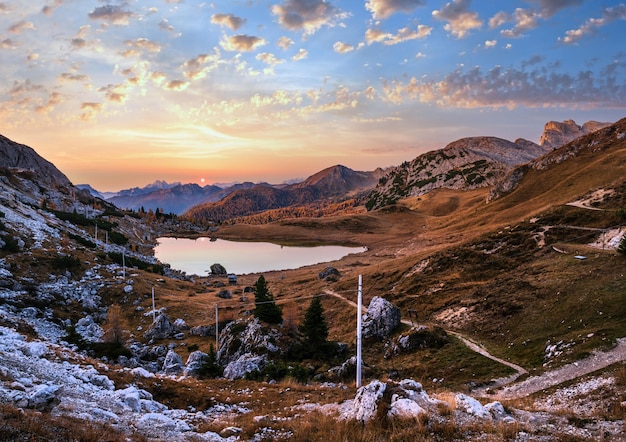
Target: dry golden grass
[{"x": 27, "y": 425}]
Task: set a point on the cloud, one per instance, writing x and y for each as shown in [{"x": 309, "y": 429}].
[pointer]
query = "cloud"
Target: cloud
[
  {"x": 499, "y": 19},
  {"x": 342, "y": 48},
  {"x": 144, "y": 44},
  {"x": 491, "y": 43},
  {"x": 229, "y": 20},
  {"x": 242, "y": 43},
  {"x": 512, "y": 88},
  {"x": 69, "y": 77},
  {"x": 20, "y": 26},
  {"x": 381, "y": 9},
  {"x": 547, "y": 8},
  {"x": 53, "y": 100},
  {"x": 115, "y": 93},
  {"x": 525, "y": 20},
  {"x": 301, "y": 55},
  {"x": 591, "y": 25},
  {"x": 7, "y": 43},
  {"x": 306, "y": 15},
  {"x": 269, "y": 58},
  {"x": 196, "y": 68},
  {"x": 165, "y": 25},
  {"x": 49, "y": 9},
  {"x": 284, "y": 42},
  {"x": 528, "y": 19},
  {"x": 111, "y": 14},
  {"x": 460, "y": 20},
  {"x": 404, "y": 34},
  {"x": 177, "y": 85},
  {"x": 4, "y": 8},
  {"x": 90, "y": 110}
]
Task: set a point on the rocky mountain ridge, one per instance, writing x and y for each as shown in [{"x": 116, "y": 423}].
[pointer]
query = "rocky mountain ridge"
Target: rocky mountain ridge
[
  {"x": 471, "y": 163},
  {"x": 556, "y": 134},
  {"x": 594, "y": 140}
]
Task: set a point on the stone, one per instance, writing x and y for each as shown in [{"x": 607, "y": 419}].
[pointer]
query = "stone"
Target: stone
[
  {"x": 173, "y": 363},
  {"x": 367, "y": 400},
  {"x": 381, "y": 319},
  {"x": 194, "y": 363},
  {"x": 246, "y": 363},
  {"x": 225, "y": 294},
  {"x": 218, "y": 270},
  {"x": 404, "y": 408},
  {"x": 471, "y": 406},
  {"x": 329, "y": 274},
  {"x": 161, "y": 328}
]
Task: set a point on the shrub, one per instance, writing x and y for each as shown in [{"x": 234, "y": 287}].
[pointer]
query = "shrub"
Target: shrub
[{"x": 66, "y": 262}]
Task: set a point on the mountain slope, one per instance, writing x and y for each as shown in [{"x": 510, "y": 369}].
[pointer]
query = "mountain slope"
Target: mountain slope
[
  {"x": 330, "y": 185},
  {"x": 584, "y": 149},
  {"x": 468, "y": 163},
  {"x": 174, "y": 199},
  {"x": 18, "y": 156}
]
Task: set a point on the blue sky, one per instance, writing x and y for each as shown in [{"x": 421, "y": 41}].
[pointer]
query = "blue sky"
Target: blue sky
[{"x": 121, "y": 93}]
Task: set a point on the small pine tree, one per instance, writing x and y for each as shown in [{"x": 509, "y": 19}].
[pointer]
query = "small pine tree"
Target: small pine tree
[
  {"x": 210, "y": 367},
  {"x": 265, "y": 307},
  {"x": 314, "y": 330}
]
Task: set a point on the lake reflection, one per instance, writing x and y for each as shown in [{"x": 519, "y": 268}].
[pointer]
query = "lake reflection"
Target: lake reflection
[{"x": 195, "y": 256}]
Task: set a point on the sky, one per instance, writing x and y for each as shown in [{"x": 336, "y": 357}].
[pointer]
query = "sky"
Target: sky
[{"x": 119, "y": 94}]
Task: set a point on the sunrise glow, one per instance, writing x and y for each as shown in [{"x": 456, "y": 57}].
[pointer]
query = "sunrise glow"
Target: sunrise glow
[{"x": 123, "y": 93}]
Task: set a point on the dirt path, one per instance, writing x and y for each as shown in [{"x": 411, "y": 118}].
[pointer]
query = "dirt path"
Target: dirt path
[
  {"x": 510, "y": 390},
  {"x": 465, "y": 340},
  {"x": 597, "y": 361}
]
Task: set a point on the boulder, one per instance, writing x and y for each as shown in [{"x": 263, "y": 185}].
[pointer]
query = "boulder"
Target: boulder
[
  {"x": 194, "y": 363},
  {"x": 471, "y": 406},
  {"x": 202, "y": 330},
  {"x": 161, "y": 328},
  {"x": 225, "y": 294},
  {"x": 381, "y": 319},
  {"x": 418, "y": 338},
  {"x": 246, "y": 363},
  {"x": 43, "y": 397},
  {"x": 218, "y": 270},
  {"x": 329, "y": 274},
  {"x": 367, "y": 400},
  {"x": 173, "y": 363}
]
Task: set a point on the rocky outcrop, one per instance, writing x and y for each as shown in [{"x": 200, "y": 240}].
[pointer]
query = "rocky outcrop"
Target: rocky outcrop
[
  {"x": 162, "y": 328},
  {"x": 468, "y": 163},
  {"x": 173, "y": 363},
  {"x": 20, "y": 157},
  {"x": 556, "y": 134},
  {"x": 381, "y": 319},
  {"x": 329, "y": 274},
  {"x": 194, "y": 363},
  {"x": 418, "y": 338},
  {"x": 599, "y": 137},
  {"x": 244, "y": 346}
]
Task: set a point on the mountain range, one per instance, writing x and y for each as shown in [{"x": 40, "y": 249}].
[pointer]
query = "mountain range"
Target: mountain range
[
  {"x": 519, "y": 299},
  {"x": 463, "y": 164}
]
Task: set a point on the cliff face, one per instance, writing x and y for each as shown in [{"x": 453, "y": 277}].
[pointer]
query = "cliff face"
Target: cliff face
[{"x": 556, "y": 134}]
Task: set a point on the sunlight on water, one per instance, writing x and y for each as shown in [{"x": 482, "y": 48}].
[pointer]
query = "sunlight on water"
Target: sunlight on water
[{"x": 195, "y": 256}]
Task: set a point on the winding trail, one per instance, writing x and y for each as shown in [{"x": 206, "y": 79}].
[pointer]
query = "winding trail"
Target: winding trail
[
  {"x": 464, "y": 339},
  {"x": 511, "y": 390}
]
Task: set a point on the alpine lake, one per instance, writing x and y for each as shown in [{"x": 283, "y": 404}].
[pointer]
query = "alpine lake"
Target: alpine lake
[{"x": 195, "y": 256}]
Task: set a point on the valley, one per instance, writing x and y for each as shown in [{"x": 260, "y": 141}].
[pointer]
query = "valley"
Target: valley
[{"x": 508, "y": 296}]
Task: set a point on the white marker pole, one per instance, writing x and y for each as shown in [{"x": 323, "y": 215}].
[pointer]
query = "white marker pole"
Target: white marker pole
[
  {"x": 358, "y": 332},
  {"x": 217, "y": 332},
  {"x": 153, "y": 308}
]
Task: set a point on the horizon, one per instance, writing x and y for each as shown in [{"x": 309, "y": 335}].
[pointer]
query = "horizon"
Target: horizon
[{"x": 121, "y": 95}]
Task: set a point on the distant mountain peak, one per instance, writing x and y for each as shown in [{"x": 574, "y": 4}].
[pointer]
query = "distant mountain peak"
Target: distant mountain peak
[{"x": 556, "y": 134}]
